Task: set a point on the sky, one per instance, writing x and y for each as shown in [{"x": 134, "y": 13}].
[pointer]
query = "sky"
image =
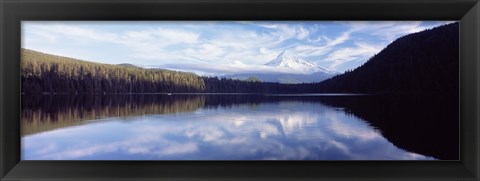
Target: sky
[{"x": 217, "y": 47}]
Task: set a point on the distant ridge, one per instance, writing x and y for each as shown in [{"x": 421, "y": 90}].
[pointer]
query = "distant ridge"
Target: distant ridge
[{"x": 128, "y": 65}]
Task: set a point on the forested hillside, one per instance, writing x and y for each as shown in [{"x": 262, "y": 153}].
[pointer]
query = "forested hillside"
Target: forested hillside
[
  {"x": 55, "y": 74},
  {"x": 422, "y": 62}
]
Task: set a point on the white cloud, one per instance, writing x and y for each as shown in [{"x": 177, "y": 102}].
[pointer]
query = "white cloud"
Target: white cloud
[
  {"x": 339, "y": 40},
  {"x": 302, "y": 33},
  {"x": 360, "y": 52},
  {"x": 209, "y": 52},
  {"x": 389, "y": 30},
  {"x": 75, "y": 33}
]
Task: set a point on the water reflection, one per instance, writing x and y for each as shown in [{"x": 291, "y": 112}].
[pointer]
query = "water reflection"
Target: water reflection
[
  {"x": 421, "y": 124},
  {"x": 178, "y": 127},
  {"x": 43, "y": 113}
]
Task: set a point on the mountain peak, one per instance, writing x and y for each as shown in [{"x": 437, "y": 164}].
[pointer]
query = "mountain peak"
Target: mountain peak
[{"x": 287, "y": 60}]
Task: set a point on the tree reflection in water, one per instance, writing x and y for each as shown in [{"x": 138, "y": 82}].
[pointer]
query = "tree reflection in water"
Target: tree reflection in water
[{"x": 428, "y": 126}]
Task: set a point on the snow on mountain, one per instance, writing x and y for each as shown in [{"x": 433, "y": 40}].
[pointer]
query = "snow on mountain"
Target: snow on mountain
[
  {"x": 289, "y": 61},
  {"x": 289, "y": 69}
]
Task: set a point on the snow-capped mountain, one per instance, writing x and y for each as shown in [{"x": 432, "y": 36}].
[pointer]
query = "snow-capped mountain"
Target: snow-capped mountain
[
  {"x": 291, "y": 69},
  {"x": 287, "y": 60}
]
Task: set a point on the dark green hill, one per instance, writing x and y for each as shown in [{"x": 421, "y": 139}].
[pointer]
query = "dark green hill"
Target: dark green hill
[
  {"x": 42, "y": 73},
  {"x": 423, "y": 62}
]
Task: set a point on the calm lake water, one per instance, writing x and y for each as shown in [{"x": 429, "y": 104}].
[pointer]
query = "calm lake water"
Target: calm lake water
[{"x": 238, "y": 127}]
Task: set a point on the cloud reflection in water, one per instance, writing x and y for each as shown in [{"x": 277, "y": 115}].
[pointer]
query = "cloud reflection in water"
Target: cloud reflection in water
[{"x": 274, "y": 131}]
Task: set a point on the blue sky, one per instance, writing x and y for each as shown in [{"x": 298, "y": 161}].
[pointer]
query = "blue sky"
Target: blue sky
[{"x": 217, "y": 47}]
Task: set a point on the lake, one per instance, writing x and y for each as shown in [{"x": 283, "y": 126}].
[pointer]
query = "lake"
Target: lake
[{"x": 239, "y": 127}]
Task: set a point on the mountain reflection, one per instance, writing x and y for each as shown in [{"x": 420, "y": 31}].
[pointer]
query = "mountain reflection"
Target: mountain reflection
[{"x": 214, "y": 127}]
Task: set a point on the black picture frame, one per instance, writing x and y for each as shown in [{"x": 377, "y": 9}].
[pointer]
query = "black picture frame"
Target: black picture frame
[{"x": 12, "y": 12}]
